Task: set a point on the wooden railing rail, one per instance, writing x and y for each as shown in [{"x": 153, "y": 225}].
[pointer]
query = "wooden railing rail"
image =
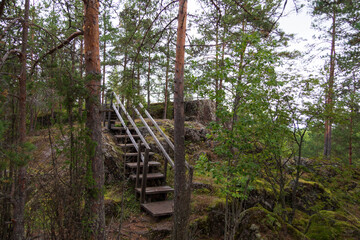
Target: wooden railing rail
[
  {"x": 161, "y": 147},
  {"x": 171, "y": 145},
  {"x": 141, "y": 144},
  {"x": 132, "y": 122},
  {"x": 126, "y": 128},
  {"x": 157, "y": 127}
]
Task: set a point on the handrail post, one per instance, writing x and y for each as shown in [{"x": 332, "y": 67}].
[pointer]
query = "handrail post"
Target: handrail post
[
  {"x": 109, "y": 115},
  {"x": 144, "y": 177},
  {"x": 165, "y": 169},
  {"x": 191, "y": 174},
  {"x": 105, "y": 108},
  {"x": 138, "y": 165}
]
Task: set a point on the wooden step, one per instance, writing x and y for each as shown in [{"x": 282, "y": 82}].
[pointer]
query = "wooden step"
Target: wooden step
[
  {"x": 158, "y": 209},
  {"x": 125, "y": 136},
  {"x": 127, "y": 145},
  {"x": 156, "y": 190},
  {"x": 135, "y": 154},
  {"x": 149, "y": 176},
  {"x": 151, "y": 164},
  {"x": 121, "y": 128}
]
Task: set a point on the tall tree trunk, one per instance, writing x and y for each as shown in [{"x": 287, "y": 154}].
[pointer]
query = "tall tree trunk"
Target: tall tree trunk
[
  {"x": 329, "y": 101},
  {"x": 2, "y": 7},
  {"x": 20, "y": 185},
  {"x": 148, "y": 81},
  {"x": 95, "y": 198},
  {"x": 181, "y": 204},
  {"x": 167, "y": 79},
  {"x": 81, "y": 75},
  {"x": 104, "y": 60},
  {"x": 351, "y": 124},
  {"x": 217, "y": 66}
]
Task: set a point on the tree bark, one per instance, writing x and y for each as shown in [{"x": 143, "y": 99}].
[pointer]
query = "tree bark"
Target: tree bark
[
  {"x": 95, "y": 197},
  {"x": 148, "y": 81},
  {"x": 80, "y": 110},
  {"x": 167, "y": 79},
  {"x": 20, "y": 184},
  {"x": 329, "y": 100},
  {"x": 2, "y": 7},
  {"x": 104, "y": 59},
  {"x": 181, "y": 202},
  {"x": 351, "y": 124}
]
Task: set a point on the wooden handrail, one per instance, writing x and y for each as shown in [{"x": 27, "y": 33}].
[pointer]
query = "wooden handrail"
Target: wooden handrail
[
  {"x": 144, "y": 157},
  {"x": 132, "y": 122},
  {"x": 155, "y": 138},
  {"x": 157, "y": 127},
  {"x": 126, "y": 129},
  {"x": 188, "y": 166}
]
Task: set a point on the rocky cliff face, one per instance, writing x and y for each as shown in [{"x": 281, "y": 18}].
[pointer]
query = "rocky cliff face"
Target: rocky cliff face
[{"x": 202, "y": 111}]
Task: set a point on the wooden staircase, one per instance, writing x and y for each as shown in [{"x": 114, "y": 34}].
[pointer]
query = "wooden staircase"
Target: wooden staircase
[{"x": 148, "y": 175}]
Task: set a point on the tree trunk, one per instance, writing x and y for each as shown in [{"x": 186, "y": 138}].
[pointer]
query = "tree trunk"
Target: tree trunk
[
  {"x": 2, "y": 7},
  {"x": 167, "y": 79},
  {"x": 95, "y": 197},
  {"x": 148, "y": 81},
  {"x": 104, "y": 60},
  {"x": 81, "y": 76},
  {"x": 351, "y": 124},
  {"x": 329, "y": 101},
  {"x": 181, "y": 204},
  {"x": 20, "y": 184}
]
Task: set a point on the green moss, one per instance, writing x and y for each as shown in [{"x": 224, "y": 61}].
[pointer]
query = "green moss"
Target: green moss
[
  {"x": 262, "y": 222},
  {"x": 261, "y": 184},
  {"x": 301, "y": 220},
  {"x": 315, "y": 183},
  {"x": 200, "y": 226},
  {"x": 218, "y": 203},
  {"x": 328, "y": 225},
  {"x": 296, "y": 234},
  {"x": 113, "y": 194}
]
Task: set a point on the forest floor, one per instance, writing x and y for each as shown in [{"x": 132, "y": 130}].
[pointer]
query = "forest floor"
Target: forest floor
[{"x": 328, "y": 198}]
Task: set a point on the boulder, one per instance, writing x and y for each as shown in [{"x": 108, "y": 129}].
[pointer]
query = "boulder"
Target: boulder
[
  {"x": 330, "y": 225},
  {"x": 202, "y": 111},
  {"x": 262, "y": 194},
  {"x": 258, "y": 223},
  {"x": 112, "y": 158},
  {"x": 311, "y": 197}
]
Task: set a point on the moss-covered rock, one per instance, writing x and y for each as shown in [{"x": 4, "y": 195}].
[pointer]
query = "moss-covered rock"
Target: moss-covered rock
[
  {"x": 311, "y": 197},
  {"x": 112, "y": 157},
  {"x": 200, "y": 226},
  {"x": 300, "y": 221},
  {"x": 261, "y": 194},
  {"x": 258, "y": 223},
  {"x": 329, "y": 225}
]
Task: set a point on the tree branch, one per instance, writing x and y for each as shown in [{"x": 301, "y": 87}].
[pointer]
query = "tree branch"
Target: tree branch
[
  {"x": 60, "y": 46},
  {"x": 148, "y": 30},
  {"x": 13, "y": 21},
  {"x": 162, "y": 32},
  {"x": 5, "y": 57}
]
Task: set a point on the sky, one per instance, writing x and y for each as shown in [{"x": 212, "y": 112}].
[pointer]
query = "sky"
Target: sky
[
  {"x": 298, "y": 23},
  {"x": 305, "y": 41},
  {"x": 292, "y": 22}
]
